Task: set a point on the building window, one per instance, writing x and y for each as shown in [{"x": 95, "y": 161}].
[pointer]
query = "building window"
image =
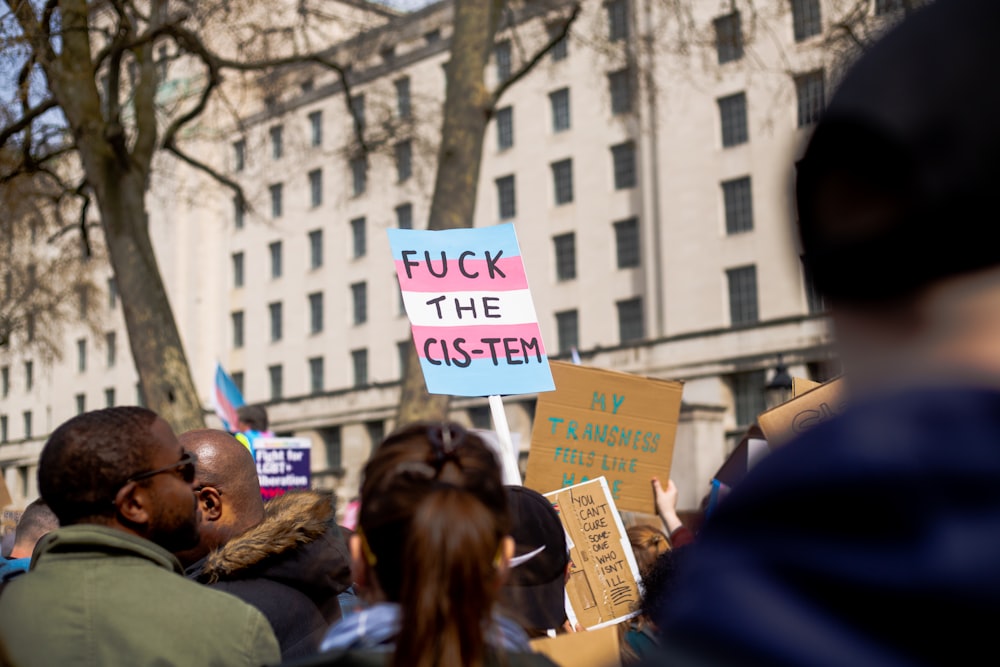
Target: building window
[
  {"x": 561, "y": 49},
  {"x": 359, "y": 361},
  {"x": 748, "y": 396},
  {"x": 623, "y": 159},
  {"x": 237, "y": 380},
  {"x": 814, "y": 299},
  {"x": 404, "y": 216},
  {"x": 81, "y": 355},
  {"x": 811, "y": 96},
  {"x": 275, "y": 251},
  {"x": 316, "y": 312},
  {"x": 111, "y": 346},
  {"x": 505, "y": 128},
  {"x": 559, "y": 100},
  {"x": 403, "y": 352},
  {"x": 237, "y": 320},
  {"x": 81, "y": 403},
  {"x": 505, "y": 197},
  {"x": 239, "y": 155},
  {"x": 109, "y": 397},
  {"x": 403, "y": 105},
  {"x": 359, "y": 299},
  {"x": 4, "y": 429},
  {"x": 276, "y": 204},
  {"x": 239, "y": 213},
  {"x": 315, "y": 248},
  {"x": 275, "y": 311},
  {"x": 432, "y": 36},
  {"x": 627, "y": 243},
  {"x": 112, "y": 293},
  {"x": 376, "y": 432},
  {"x": 630, "y": 325},
  {"x": 742, "y": 295},
  {"x": 565, "y": 248},
  {"x": 315, "y": 187},
  {"x": 733, "y": 115},
  {"x": 238, "y": 274},
  {"x": 277, "y": 142},
  {"x": 358, "y": 113},
  {"x": 140, "y": 393},
  {"x": 332, "y": 445},
  {"x": 29, "y": 372},
  {"x": 562, "y": 179},
  {"x": 887, "y": 6},
  {"x": 738, "y": 201},
  {"x": 404, "y": 160},
  {"x": 728, "y": 38},
  {"x": 568, "y": 330},
  {"x": 27, "y": 424},
  {"x": 29, "y": 327},
  {"x": 620, "y": 87},
  {"x": 359, "y": 237},
  {"x": 806, "y": 19},
  {"x": 479, "y": 415},
  {"x": 359, "y": 174},
  {"x": 618, "y": 28},
  {"x": 4, "y": 381},
  {"x": 275, "y": 375},
  {"x": 82, "y": 301},
  {"x": 316, "y": 375},
  {"x": 316, "y": 128},
  {"x": 502, "y": 54}
]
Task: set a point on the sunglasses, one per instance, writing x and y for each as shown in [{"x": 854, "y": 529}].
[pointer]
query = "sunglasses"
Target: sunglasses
[{"x": 186, "y": 468}]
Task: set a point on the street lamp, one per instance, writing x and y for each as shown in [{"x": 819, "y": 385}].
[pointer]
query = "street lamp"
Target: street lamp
[{"x": 779, "y": 389}]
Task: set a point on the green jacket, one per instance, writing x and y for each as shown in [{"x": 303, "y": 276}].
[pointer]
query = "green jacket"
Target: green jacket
[{"x": 98, "y": 597}]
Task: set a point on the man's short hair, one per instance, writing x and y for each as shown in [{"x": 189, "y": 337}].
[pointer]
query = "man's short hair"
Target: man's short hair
[
  {"x": 254, "y": 416},
  {"x": 37, "y": 520},
  {"x": 896, "y": 190},
  {"x": 89, "y": 458}
]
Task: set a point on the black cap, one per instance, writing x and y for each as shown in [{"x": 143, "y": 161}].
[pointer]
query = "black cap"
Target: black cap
[
  {"x": 897, "y": 189},
  {"x": 535, "y": 587}
]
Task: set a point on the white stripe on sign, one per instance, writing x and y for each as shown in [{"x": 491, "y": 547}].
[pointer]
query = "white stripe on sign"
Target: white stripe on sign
[{"x": 449, "y": 309}]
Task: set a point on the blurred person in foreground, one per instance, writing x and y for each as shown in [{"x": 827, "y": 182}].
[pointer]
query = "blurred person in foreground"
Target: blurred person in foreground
[
  {"x": 431, "y": 551},
  {"x": 104, "y": 588},
  {"x": 36, "y": 522},
  {"x": 874, "y": 539}
]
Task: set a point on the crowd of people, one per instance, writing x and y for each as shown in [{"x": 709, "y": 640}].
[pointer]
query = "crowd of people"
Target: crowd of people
[{"x": 872, "y": 539}]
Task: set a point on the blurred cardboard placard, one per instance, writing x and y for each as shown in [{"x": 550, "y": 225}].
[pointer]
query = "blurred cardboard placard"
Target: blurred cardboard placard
[
  {"x": 802, "y": 385},
  {"x": 604, "y": 423},
  {"x": 603, "y": 586},
  {"x": 5, "y": 498},
  {"x": 597, "y": 648},
  {"x": 789, "y": 419}
]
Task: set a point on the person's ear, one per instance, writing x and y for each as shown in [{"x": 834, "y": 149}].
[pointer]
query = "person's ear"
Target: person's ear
[
  {"x": 210, "y": 501},
  {"x": 132, "y": 502},
  {"x": 505, "y": 552},
  {"x": 359, "y": 566}
]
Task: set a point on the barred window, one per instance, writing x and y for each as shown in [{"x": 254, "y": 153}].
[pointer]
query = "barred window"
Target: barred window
[
  {"x": 275, "y": 375},
  {"x": 618, "y": 28},
  {"x": 316, "y": 248},
  {"x": 316, "y": 312},
  {"x": 274, "y": 310},
  {"x": 359, "y": 361},
  {"x": 503, "y": 59},
  {"x": 623, "y": 159},
  {"x": 565, "y": 249},
  {"x": 627, "y": 243},
  {"x": 630, "y": 321},
  {"x": 505, "y": 197},
  {"x": 620, "y": 86},
  {"x": 728, "y": 38},
  {"x": 276, "y": 203},
  {"x": 359, "y": 237},
  {"x": 562, "y": 179},
  {"x": 316, "y": 375},
  {"x": 733, "y": 116},
  {"x": 359, "y": 301},
  {"x": 404, "y": 216},
  {"x": 742, "y": 295},
  {"x": 316, "y": 128},
  {"x": 315, "y": 187},
  {"x": 738, "y": 201},
  {"x": 806, "y": 19},
  {"x": 404, "y": 160},
  {"x": 811, "y": 95},
  {"x": 568, "y": 330},
  {"x": 505, "y": 128},
  {"x": 559, "y": 100},
  {"x": 748, "y": 396}
]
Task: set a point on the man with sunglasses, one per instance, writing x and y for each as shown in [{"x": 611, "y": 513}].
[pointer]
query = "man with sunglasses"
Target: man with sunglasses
[{"x": 105, "y": 583}]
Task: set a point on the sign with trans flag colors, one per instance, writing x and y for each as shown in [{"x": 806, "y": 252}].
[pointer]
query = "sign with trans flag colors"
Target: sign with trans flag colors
[{"x": 474, "y": 324}]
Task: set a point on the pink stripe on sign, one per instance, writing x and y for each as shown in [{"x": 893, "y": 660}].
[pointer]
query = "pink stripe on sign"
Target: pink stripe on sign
[
  {"x": 518, "y": 341},
  {"x": 506, "y": 273}
]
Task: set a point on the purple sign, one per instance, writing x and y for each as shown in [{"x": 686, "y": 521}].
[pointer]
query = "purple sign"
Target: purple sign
[{"x": 282, "y": 465}]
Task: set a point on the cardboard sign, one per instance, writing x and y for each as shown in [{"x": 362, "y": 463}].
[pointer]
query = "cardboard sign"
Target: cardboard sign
[
  {"x": 601, "y": 422},
  {"x": 597, "y": 648},
  {"x": 603, "y": 587},
  {"x": 474, "y": 323},
  {"x": 5, "y": 498},
  {"x": 801, "y": 386},
  {"x": 786, "y": 421},
  {"x": 282, "y": 464}
]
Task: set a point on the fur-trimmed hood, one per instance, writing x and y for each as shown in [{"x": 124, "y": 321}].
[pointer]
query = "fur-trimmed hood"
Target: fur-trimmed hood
[{"x": 297, "y": 544}]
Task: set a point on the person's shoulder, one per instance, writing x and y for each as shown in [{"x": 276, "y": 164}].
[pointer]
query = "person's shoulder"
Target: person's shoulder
[{"x": 369, "y": 658}]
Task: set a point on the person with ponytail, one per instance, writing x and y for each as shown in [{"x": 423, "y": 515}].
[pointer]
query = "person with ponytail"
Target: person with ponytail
[{"x": 430, "y": 554}]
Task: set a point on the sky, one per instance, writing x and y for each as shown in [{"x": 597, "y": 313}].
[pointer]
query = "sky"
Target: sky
[{"x": 406, "y": 4}]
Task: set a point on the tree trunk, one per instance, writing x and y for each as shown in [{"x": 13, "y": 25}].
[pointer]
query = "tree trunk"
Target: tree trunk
[{"x": 466, "y": 114}]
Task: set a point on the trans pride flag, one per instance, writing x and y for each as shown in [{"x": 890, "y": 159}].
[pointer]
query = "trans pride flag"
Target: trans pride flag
[
  {"x": 226, "y": 398},
  {"x": 474, "y": 323}
]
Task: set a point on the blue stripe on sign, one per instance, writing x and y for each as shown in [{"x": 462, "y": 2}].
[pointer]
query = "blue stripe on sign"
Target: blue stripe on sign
[
  {"x": 482, "y": 378},
  {"x": 454, "y": 242}
]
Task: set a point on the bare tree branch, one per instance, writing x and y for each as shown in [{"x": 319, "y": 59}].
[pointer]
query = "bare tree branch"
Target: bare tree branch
[{"x": 26, "y": 119}]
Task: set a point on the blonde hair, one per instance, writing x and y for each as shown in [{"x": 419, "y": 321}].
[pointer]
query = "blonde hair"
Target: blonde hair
[{"x": 647, "y": 544}]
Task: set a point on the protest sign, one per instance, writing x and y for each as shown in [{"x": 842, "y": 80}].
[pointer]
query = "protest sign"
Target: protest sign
[
  {"x": 5, "y": 498},
  {"x": 786, "y": 421},
  {"x": 801, "y": 386},
  {"x": 601, "y": 422},
  {"x": 282, "y": 464},
  {"x": 603, "y": 585},
  {"x": 474, "y": 323},
  {"x": 597, "y": 648}
]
